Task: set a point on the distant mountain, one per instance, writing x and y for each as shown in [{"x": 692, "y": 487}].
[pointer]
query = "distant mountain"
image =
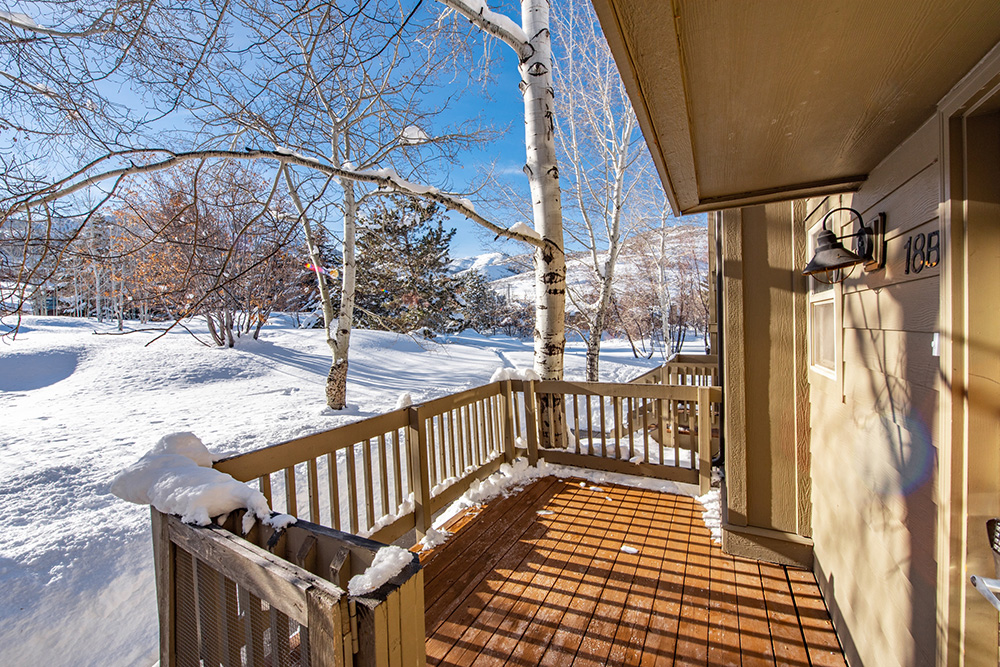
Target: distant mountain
[
  {"x": 513, "y": 275},
  {"x": 493, "y": 265}
]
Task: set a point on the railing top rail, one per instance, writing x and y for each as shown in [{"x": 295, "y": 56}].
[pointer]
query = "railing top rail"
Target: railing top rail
[
  {"x": 693, "y": 359},
  {"x": 451, "y": 401},
  {"x": 249, "y": 465},
  {"x": 676, "y": 392}
]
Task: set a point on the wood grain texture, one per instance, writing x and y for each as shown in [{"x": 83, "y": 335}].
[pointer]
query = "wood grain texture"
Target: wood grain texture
[{"x": 557, "y": 588}]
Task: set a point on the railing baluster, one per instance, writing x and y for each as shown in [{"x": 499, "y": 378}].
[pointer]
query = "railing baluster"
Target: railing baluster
[
  {"x": 366, "y": 451},
  {"x": 576, "y": 422},
  {"x": 531, "y": 423},
  {"x": 265, "y": 487},
  {"x": 352, "y": 486},
  {"x": 617, "y": 404},
  {"x": 662, "y": 426},
  {"x": 333, "y": 482},
  {"x": 457, "y": 451},
  {"x": 516, "y": 405},
  {"x": 508, "y": 422},
  {"x": 431, "y": 454},
  {"x": 590, "y": 427},
  {"x": 313, "y": 486},
  {"x": 604, "y": 430},
  {"x": 631, "y": 431},
  {"x": 477, "y": 425},
  {"x": 442, "y": 445},
  {"x": 397, "y": 468},
  {"x": 674, "y": 439},
  {"x": 383, "y": 475},
  {"x": 645, "y": 432},
  {"x": 291, "y": 504}
]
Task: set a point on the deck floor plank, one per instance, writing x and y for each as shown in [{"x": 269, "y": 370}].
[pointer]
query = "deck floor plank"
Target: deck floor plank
[
  {"x": 786, "y": 633},
  {"x": 585, "y": 572},
  {"x": 500, "y": 616},
  {"x": 617, "y": 569},
  {"x": 661, "y": 639},
  {"x": 755, "y": 635},
  {"x": 821, "y": 640},
  {"x": 567, "y": 569},
  {"x": 520, "y": 588}
]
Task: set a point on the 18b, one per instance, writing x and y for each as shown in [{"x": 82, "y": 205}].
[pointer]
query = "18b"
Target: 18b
[{"x": 923, "y": 250}]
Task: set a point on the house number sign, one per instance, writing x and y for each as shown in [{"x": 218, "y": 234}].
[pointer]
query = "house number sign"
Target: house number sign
[{"x": 923, "y": 250}]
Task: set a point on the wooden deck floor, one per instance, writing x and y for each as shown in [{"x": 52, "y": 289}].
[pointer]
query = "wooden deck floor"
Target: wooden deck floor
[{"x": 541, "y": 578}]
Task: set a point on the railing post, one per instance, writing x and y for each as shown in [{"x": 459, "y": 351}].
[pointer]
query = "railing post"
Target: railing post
[
  {"x": 531, "y": 422},
  {"x": 417, "y": 454},
  {"x": 704, "y": 439},
  {"x": 163, "y": 566},
  {"x": 325, "y": 628},
  {"x": 508, "y": 421}
]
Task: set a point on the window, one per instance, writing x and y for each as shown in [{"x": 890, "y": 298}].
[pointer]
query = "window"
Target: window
[
  {"x": 824, "y": 342},
  {"x": 823, "y": 329}
]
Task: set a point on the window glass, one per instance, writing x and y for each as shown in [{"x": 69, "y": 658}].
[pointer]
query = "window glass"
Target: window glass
[{"x": 824, "y": 335}]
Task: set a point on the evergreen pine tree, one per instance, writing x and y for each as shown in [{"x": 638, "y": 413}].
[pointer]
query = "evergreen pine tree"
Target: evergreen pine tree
[
  {"x": 403, "y": 281},
  {"x": 482, "y": 308}
]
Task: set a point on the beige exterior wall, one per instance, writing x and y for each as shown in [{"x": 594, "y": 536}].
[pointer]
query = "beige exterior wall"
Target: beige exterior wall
[
  {"x": 875, "y": 422},
  {"x": 764, "y": 347},
  {"x": 889, "y": 458}
]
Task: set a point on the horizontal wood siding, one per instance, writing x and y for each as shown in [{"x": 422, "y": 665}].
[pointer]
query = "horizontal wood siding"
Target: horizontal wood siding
[{"x": 874, "y": 428}]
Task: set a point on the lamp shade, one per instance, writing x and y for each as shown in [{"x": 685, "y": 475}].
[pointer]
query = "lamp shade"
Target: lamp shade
[{"x": 830, "y": 255}]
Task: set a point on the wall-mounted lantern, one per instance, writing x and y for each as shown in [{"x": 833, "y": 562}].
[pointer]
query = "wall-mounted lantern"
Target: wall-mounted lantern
[{"x": 831, "y": 257}]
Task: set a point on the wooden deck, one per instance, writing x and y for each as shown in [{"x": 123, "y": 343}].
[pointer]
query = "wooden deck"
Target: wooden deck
[{"x": 540, "y": 578}]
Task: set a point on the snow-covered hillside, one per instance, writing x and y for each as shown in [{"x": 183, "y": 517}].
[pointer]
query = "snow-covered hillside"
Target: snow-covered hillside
[
  {"x": 513, "y": 276},
  {"x": 80, "y": 403}
]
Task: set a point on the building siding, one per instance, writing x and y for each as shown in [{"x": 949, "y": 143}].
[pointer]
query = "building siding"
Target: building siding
[{"x": 874, "y": 426}]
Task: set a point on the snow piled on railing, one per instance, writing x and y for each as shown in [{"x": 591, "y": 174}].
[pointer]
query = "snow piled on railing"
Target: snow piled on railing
[
  {"x": 176, "y": 477},
  {"x": 389, "y": 561},
  {"x": 501, "y": 374},
  {"x": 406, "y": 507}
]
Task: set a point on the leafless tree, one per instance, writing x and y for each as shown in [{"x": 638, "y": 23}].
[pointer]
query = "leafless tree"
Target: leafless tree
[
  {"x": 606, "y": 160},
  {"x": 309, "y": 76}
]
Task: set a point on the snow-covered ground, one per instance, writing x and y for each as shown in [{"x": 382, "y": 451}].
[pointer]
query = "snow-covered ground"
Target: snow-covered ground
[{"x": 78, "y": 404}]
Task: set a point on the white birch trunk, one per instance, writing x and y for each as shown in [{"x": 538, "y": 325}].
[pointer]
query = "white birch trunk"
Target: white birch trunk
[
  {"x": 543, "y": 177},
  {"x": 663, "y": 289},
  {"x": 340, "y": 342},
  {"x": 336, "y": 325}
]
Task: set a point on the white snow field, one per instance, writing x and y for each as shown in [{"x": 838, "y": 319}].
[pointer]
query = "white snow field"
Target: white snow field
[{"x": 79, "y": 404}]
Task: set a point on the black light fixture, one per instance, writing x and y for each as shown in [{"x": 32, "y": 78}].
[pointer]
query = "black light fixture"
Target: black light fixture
[{"x": 831, "y": 257}]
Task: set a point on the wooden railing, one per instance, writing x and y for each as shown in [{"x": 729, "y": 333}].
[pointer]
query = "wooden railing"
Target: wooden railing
[
  {"x": 277, "y": 598},
  {"x": 387, "y": 475},
  {"x": 657, "y": 431},
  {"x": 701, "y": 370},
  {"x": 268, "y": 598}
]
